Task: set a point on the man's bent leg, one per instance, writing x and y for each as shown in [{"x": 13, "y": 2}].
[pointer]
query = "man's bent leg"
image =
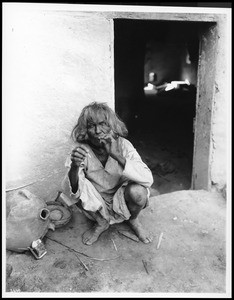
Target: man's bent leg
[
  {"x": 90, "y": 236},
  {"x": 136, "y": 197}
]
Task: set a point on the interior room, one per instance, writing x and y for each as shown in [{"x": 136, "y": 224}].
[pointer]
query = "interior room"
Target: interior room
[{"x": 155, "y": 92}]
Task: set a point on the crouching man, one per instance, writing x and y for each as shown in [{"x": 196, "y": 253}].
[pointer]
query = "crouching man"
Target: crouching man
[{"x": 106, "y": 176}]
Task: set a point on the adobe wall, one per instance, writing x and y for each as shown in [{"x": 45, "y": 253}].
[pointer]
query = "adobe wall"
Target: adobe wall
[
  {"x": 221, "y": 120},
  {"x": 55, "y": 63}
]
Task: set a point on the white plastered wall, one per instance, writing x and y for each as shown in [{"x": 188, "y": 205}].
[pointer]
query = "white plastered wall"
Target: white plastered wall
[{"x": 54, "y": 63}]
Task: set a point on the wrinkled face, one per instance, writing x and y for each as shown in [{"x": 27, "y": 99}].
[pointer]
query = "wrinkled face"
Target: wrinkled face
[{"x": 96, "y": 127}]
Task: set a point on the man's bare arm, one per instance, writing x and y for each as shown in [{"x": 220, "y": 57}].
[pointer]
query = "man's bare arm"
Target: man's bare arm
[{"x": 73, "y": 176}]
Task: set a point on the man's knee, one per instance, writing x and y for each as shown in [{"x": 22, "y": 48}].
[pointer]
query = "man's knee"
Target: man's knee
[{"x": 136, "y": 193}]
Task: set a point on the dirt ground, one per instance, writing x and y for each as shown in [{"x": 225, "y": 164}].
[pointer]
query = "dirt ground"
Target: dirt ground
[
  {"x": 169, "y": 161},
  {"x": 191, "y": 257}
]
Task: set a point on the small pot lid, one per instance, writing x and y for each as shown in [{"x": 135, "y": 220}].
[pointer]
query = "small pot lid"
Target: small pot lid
[{"x": 59, "y": 214}]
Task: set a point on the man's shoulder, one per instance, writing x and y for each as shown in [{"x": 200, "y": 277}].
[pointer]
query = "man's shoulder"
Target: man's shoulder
[{"x": 125, "y": 143}]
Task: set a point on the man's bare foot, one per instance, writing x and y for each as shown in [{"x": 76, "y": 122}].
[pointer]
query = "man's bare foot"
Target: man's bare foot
[
  {"x": 140, "y": 232},
  {"x": 92, "y": 235}
]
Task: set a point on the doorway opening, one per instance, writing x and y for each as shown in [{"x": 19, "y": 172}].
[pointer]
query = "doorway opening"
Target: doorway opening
[{"x": 156, "y": 65}]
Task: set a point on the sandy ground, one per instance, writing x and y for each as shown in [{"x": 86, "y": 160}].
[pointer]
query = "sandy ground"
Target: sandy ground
[{"x": 190, "y": 259}]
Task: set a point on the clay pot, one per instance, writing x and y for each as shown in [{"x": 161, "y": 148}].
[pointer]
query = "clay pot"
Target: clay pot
[{"x": 27, "y": 219}]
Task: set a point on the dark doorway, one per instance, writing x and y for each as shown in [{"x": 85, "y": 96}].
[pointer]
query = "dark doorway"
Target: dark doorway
[{"x": 155, "y": 94}]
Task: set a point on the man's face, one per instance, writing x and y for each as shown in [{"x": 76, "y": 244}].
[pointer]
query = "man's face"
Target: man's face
[{"x": 96, "y": 128}]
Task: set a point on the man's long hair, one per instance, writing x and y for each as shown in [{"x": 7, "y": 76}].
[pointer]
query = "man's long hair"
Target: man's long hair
[{"x": 88, "y": 113}]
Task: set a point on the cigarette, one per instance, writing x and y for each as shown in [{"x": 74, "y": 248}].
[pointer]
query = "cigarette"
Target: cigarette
[
  {"x": 89, "y": 155},
  {"x": 159, "y": 240}
]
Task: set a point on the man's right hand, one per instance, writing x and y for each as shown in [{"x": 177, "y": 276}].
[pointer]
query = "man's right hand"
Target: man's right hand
[{"x": 78, "y": 155}]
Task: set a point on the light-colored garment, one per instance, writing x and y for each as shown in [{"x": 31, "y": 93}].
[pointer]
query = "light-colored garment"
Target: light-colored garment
[{"x": 102, "y": 188}]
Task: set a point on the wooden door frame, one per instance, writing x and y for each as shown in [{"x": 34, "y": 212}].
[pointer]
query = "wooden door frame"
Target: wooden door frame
[{"x": 201, "y": 178}]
